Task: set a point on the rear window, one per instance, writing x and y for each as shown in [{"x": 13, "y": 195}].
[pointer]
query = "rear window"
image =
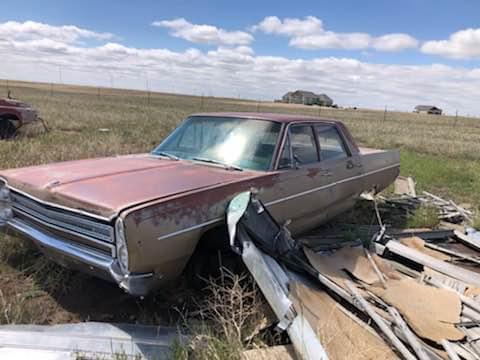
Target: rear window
[{"x": 331, "y": 143}]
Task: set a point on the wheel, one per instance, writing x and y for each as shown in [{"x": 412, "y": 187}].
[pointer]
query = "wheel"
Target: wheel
[
  {"x": 7, "y": 129},
  {"x": 212, "y": 252},
  {"x": 207, "y": 264}
]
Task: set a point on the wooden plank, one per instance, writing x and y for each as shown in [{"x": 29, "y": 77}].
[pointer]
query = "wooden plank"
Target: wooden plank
[
  {"x": 379, "y": 321},
  {"x": 409, "y": 335},
  {"x": 453, "y": 253},
  {"x": 466, "y": 300},
  {"x": 467, "y": 240},
  {"x": 445, "y": 268},
  {"x": 381, "y": 277},
  {"x": 452, "y": 354}
]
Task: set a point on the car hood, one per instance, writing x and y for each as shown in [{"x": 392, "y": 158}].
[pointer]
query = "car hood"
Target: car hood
[{"x": 105, "y": 186}]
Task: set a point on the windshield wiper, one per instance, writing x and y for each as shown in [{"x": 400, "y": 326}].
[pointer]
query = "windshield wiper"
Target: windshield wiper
[
  {"x": 170, "y": 156},
  {"x": 226, "y": 166}
]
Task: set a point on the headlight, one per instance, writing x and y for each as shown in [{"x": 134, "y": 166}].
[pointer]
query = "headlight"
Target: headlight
[
  {"x": 5, "y": 204},
  {"x": 122, "y": 251}
]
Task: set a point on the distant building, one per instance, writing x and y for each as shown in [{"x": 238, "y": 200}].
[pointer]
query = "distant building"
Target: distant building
[
  {"x": 306, "y": 98},
  {"x": 427, "y": 109}
]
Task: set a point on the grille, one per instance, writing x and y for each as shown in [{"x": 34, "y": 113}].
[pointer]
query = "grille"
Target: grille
[{"x": 71, "y": 226}]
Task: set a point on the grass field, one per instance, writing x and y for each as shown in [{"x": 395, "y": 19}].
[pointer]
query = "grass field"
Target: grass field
[{"x": 442, "y": 153}]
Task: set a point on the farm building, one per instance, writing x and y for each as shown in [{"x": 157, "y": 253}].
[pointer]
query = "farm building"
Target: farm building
[
  {"x": 306, "y": 98},
  {"x": 428, "y": 109}
]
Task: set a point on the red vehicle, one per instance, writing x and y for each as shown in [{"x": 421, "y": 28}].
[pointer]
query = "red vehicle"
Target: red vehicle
[
  {"x": 141, "y": 220},
  {"x": 13, "y": 115}
]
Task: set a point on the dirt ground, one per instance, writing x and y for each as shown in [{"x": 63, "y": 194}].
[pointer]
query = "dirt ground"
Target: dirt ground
[{"x": 37, "y": 291}]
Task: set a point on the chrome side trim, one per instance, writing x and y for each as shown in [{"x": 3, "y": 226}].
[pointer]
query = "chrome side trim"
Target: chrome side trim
[
  {"x": 178, "y": 232},
  {"x": 329, "y": 185},
  {"x": 81, "y": 212}
]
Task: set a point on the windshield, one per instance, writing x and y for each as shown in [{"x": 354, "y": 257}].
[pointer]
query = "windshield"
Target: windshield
[{"x": 242, "y": 143}]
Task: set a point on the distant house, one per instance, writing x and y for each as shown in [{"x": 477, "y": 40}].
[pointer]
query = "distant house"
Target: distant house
[
  {"x": 427, "y": 109},
  {"x": 306, "y": 98}
]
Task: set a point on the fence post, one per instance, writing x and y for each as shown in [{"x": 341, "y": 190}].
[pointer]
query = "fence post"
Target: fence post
[
  {"x": 456, "y": 119},
  {"x": 385, "y": 114},
  {"x": 8, "y": 88}
]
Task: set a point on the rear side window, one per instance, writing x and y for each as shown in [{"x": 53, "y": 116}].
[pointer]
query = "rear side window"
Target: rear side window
[
  {"x": 331, "y": 144},
  {"x": 304, "y": 148}
]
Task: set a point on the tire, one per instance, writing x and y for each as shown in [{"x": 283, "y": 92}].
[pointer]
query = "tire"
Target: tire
[
  {"x": 212, "y": 252},
  {"x": 207, "y": 264},
  {"x": 7, "y": 129}
]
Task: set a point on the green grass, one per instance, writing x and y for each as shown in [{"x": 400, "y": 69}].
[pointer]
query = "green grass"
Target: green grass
[
  {"x": 476, "y": 220},
  {"x": 423, "y": 217},
  {"x": 454, "y": 178}
]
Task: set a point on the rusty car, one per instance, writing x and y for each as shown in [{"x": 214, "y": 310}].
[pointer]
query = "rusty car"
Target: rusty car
[
  {"x": 15, "y": 114},
  {"x": 141, "y": 220}
]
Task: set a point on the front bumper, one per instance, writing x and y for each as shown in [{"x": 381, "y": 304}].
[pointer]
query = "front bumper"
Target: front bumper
[{"x": 78, "y": 257}]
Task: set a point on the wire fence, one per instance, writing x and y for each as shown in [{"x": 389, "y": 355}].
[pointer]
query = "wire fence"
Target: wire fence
[{"x": 109, "y": 82}]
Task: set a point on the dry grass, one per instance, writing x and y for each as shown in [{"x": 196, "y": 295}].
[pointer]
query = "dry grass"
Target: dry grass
[
  {"x": 476, "y": 219},
  {"x": 226, "y": 321},
  {"x": 441, "y": 152},
  {"x": 139, "y": 122}
]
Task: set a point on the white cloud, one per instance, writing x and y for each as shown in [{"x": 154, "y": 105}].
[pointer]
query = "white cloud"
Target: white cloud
[
  {"x": 234, "y": 70},
  {"x": 331, "y": 40},
  {"x": 204, "y": 34},
  {"x": 290, "y": 27},
  {"x": 31, "y": 30},
  {"x": 394, "y": 42},
  {"x": 309, "y": 33},
  {"x": 463, "y": 44}
]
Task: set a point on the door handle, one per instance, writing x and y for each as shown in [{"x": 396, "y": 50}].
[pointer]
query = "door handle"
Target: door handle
[
  {"x": 351, "y": 164},
  {"x": 325, "y": 173}
]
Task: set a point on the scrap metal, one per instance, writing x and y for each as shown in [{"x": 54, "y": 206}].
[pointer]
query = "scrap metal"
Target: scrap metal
[{"x": 450, "y": 274}]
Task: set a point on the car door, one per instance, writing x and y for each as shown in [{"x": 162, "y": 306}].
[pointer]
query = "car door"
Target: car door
[
  {"x": 343, "y": 168},
  {"x": 302, "y": 189}
]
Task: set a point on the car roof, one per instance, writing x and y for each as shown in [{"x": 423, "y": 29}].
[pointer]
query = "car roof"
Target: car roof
[{"x": 283, "y": 118}]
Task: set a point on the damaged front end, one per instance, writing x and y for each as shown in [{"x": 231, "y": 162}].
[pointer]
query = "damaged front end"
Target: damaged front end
[
  {"x": 6, "y": 212},
  {"x": 414, "y": 297},
  {"x": 73, "y": 240}
]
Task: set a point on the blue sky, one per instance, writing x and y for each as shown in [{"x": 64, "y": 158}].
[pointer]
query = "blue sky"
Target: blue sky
[{"x": 349, "y": 49}]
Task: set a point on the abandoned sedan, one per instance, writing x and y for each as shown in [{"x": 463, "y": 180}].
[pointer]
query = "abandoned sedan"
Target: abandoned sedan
[
  {"x": 15, "y": 114},
  {"x": 137, "y": 220}
]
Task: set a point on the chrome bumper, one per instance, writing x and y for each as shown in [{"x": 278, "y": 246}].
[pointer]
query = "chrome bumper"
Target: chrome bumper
[{"x": 81, "y": 258}]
